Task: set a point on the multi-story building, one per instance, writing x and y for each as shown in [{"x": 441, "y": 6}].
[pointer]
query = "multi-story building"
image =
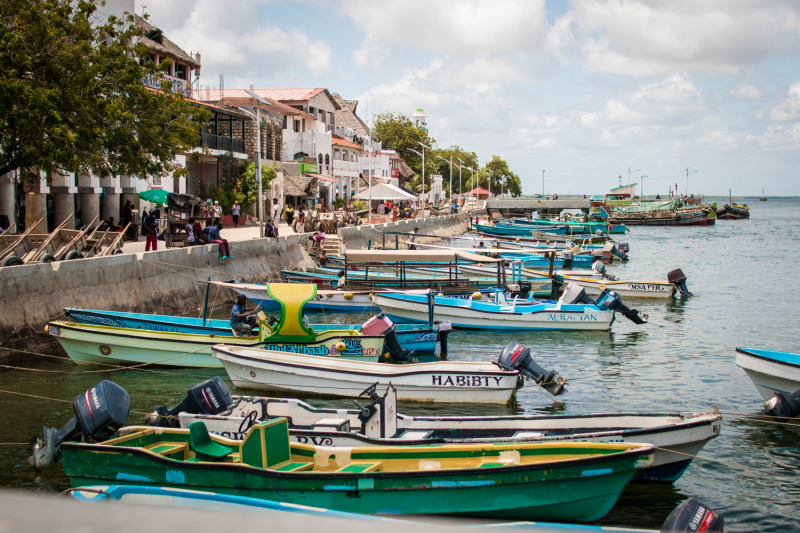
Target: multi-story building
[{"x": 161, "y": 48}]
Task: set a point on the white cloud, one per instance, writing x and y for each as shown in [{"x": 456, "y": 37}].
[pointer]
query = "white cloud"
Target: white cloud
[
  {"x": 466, "y": 26},
  {"x": 746, "y": 91},
  {"x": 789, "y": 109},
  {"x": 560, "y": 39},
  {"x": 645, "y": 37},
  {"x": 233, "y": 43}
]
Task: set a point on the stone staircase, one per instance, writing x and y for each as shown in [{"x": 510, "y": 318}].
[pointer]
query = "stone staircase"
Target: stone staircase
[{"x": 331, "y": 244}]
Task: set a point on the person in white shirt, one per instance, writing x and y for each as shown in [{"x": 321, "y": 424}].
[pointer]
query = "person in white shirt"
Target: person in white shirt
[
  {"x": 235, "y": 211},
  {"x": 277, "y": 208},
  {"x": 341, "y": 283},
  {"x": 217, "y": 209}
]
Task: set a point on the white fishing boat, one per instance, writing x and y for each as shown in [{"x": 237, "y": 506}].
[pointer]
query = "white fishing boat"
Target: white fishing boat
[
  {"x": 384, "y": 426},
  {"x": 628, "y": 289},
  {"x": 770, "y": 371},
  {"x": 439, "y": 381}
]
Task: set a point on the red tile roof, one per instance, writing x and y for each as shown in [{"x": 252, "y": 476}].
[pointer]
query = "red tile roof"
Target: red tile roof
[
  {"x": 276, "y": 94},
  {"x": 341, "y": 141},
  {"x": 275, "y": 106}
]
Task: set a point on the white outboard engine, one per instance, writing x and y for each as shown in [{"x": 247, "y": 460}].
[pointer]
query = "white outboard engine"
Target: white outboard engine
[
  {"x": 783, "y": 406},
  {"x": 600, "y": 268},
  {"x": 381, "y": 325},
  {"x": 575, "y": 294},
  {"x": 99, "y": 413},
  {"x": 567, "y": 255},
  {"x": 692, "y": 517},
  {"x": 378, "y": 419},
  {"x": 518, "y": 357},
  {"x": 211, "y": 397},
  {"x": 678, "y": 280}
]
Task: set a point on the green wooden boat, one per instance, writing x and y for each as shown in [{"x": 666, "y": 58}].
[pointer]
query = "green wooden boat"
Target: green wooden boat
[{"x": 544, "y": 481}]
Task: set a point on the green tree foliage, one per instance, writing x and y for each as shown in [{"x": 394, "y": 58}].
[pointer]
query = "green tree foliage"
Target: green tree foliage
[
  {"x": 396, "y": 132},
  {"x": 470, "y": 160},
  {"x": 72, "y": 96},
  {"x": 240, "y": 185},
  {"x": 502, "y": 179}
]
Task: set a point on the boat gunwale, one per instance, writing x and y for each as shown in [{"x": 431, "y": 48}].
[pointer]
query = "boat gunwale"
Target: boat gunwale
[
  {"x": 744, "y": 351},
  {"x": 521, "y": 303},
  {"x": 503, "y": 373},
  {"x": 635, "y": 449}
]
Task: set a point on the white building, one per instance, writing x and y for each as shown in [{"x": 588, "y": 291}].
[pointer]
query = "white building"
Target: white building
[{"x": 419, "y": 119}]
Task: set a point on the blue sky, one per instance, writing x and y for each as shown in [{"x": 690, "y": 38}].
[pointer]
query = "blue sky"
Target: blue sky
[{"x": 582, "y": 88}]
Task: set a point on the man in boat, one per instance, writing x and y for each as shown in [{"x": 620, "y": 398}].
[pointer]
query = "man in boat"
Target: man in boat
[
  {"x": 411, "y": 237},
  {"x": 341, "y": 283},
  {"x": 242, "y": 321},
  {"x": 481, "y": 246}
]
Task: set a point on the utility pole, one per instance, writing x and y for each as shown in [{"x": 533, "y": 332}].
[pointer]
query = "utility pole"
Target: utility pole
[
  {"x": 542, "y": 184},
  {"x": 423, "y": 171}
]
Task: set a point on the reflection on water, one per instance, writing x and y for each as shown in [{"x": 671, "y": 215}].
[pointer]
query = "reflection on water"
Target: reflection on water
[{"x": 736, "y": 305}]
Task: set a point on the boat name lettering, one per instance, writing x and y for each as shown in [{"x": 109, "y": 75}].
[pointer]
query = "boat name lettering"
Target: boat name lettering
[
  {"x": 645, "y": 287},
  {"x": 98, "y": 320},
  {"x": 158, "y": 327},
  {"x": 425, "y": 337},
  {"x": 463, "y": 381},
  {"x": 95, "y": 399},
  {"x": 299, "y": 348},
  {"x": 553, "y": 317},
  {"x": 316, "y": 441}
]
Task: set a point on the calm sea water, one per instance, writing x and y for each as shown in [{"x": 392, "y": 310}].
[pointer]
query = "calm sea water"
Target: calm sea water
[{"x": 744, "y": 275}]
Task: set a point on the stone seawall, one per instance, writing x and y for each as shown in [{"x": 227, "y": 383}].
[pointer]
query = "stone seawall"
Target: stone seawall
[
  {"x": 163, "y": 282},
  {"x": 442, "y": 226}
]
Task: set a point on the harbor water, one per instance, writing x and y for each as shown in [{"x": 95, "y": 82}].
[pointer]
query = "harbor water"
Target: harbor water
[{"x": 744, "y": 276}]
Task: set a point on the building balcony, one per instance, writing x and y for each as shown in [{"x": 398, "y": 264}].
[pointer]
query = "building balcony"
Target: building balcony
[
  {"x": 345, "y": 165},
  {"x": 218, "y": 142},
  {"x": 178, "y": 85}
]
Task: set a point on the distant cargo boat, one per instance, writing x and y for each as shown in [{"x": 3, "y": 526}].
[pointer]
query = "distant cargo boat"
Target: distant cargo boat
[
  {"x": 732, "y": 210},
  {"x": 763, "y": 196}
]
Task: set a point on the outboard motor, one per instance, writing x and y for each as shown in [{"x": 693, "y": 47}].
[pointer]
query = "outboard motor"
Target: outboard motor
[
  {"x": 378, "y": 419},
  {"x": 210, "y": 397},
  {"x": 693, "y": 517},
  {"x": 678, "y": 280},
  {"x": 518, "y": 357},
  {"x": 575, "y": 294},
  {"x": 380, "y": 325},
  {"x": 514, "y": 289},
  {"x": 623, "y": 247},
  {"x": 783, "y": 405},
  {"x": 567, "y": 255},
  {"x": 600, "y": 268},
  {"x": 611, "y": 301},
  {"x": 99, "y": 413}
]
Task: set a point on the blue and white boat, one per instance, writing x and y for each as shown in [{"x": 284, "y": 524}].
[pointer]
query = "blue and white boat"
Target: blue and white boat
[
  {"x": 418, "y": 337},
  {"x": 510, "y": 315},
  {"x": 770, "y": 371}
]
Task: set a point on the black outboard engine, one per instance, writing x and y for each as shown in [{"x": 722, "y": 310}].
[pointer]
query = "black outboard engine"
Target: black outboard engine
[
  {"x": 783, "y": 405},
  {"x": 693, "y": 517},
  {"x": 210, "y": 397},
  {"x": 567, "y": 255},
  {"x": 381, "y": 325},
  {"x": 99, "y": 413},
  {"x": 611, "y": 301},
  {"x": 518, "y": 357},
  {"x": 678, "y": 280}
]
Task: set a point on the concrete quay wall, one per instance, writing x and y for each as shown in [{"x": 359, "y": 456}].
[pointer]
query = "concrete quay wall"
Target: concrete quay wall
[
  {"x": 359, "y": 237},
  {"x": 162, "y": 282}
]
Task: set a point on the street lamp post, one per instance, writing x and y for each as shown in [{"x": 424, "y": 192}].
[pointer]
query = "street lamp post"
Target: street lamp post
[
  {"x": 257, "y": 118},
  {"x": 451, "y": 172},
  {"x": 687, "y": 180},
  {"x": 423, "y": 171},
  {"x": 629, "y": 180}
]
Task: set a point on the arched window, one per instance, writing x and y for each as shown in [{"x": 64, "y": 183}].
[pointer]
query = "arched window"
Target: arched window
[
  {"x": 327, "y": 159},
  {"x": 320, "y": 159}
]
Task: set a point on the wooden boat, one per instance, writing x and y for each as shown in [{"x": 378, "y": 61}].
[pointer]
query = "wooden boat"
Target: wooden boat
[
  {"x": 575, "y": 227},
  {"x": 732, "y": 210},
  {"x": 553, "y": 481},
  {"x": 439, "y": 381},
  {"x": 420, "y": 338},
  {"x": 628, "y": 289},
  {"x": 514, "y": 315},
  {"x": 770, "y": 371},
  {"x": 690, "y": 217},
  {"x": 685, "y": 434},
  {"x": 87, "y": 344},
  {"x": 258, "y": 508}
]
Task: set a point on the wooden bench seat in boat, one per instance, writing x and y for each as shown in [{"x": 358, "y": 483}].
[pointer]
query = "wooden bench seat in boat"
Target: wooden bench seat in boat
[
  {"x": 295, "y": 467},
  {"x": 168, "y": 449},
  {"x": 357, "y": 468}
]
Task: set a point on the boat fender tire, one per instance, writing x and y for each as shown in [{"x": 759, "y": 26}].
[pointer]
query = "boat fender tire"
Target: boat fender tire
[
  {"x": 47, "y": 258},
  {"x": 12, "y": 261},
  {"x": 74, "y": 254}
]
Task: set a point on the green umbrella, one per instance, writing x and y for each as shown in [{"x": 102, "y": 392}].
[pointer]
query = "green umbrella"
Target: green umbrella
[{"x": 156, "y": 196}]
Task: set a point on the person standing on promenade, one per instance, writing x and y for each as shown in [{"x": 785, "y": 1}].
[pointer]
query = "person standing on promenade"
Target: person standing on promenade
[
  {"x": 151, "y": 230},
  {"x": 235, "y": 210}
]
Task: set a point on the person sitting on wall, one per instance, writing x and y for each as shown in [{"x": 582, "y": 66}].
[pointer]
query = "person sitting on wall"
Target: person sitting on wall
[
  {"x": 269, "y": 228},
  {"x": 242, "y": 321},
  {"x": 216, "y": 238}
]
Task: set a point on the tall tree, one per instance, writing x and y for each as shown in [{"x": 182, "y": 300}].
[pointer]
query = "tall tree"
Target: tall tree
[
  {"x": 470, "y": 160},
  {"x": 396, "y": 132},
  {"x": 502, "y": 179},
  {"x": 72, "y": 96}
]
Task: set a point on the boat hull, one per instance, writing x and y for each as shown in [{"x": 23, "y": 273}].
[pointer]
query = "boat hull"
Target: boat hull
[
  {"x": 412, "y": 337},
  {"x": 107, "y": 345},
  {"x": 691, "y": 219},
  {"x": 460, "y": 316},
  {"x": 675, "y": 437},
  {"x": 424, "y": 382},
  {"x": 728, "y": 213},
  {"x": 770, "y": 372},
  {"x": 581, "y": 489},
  {"x": 628, "y": 289}
]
